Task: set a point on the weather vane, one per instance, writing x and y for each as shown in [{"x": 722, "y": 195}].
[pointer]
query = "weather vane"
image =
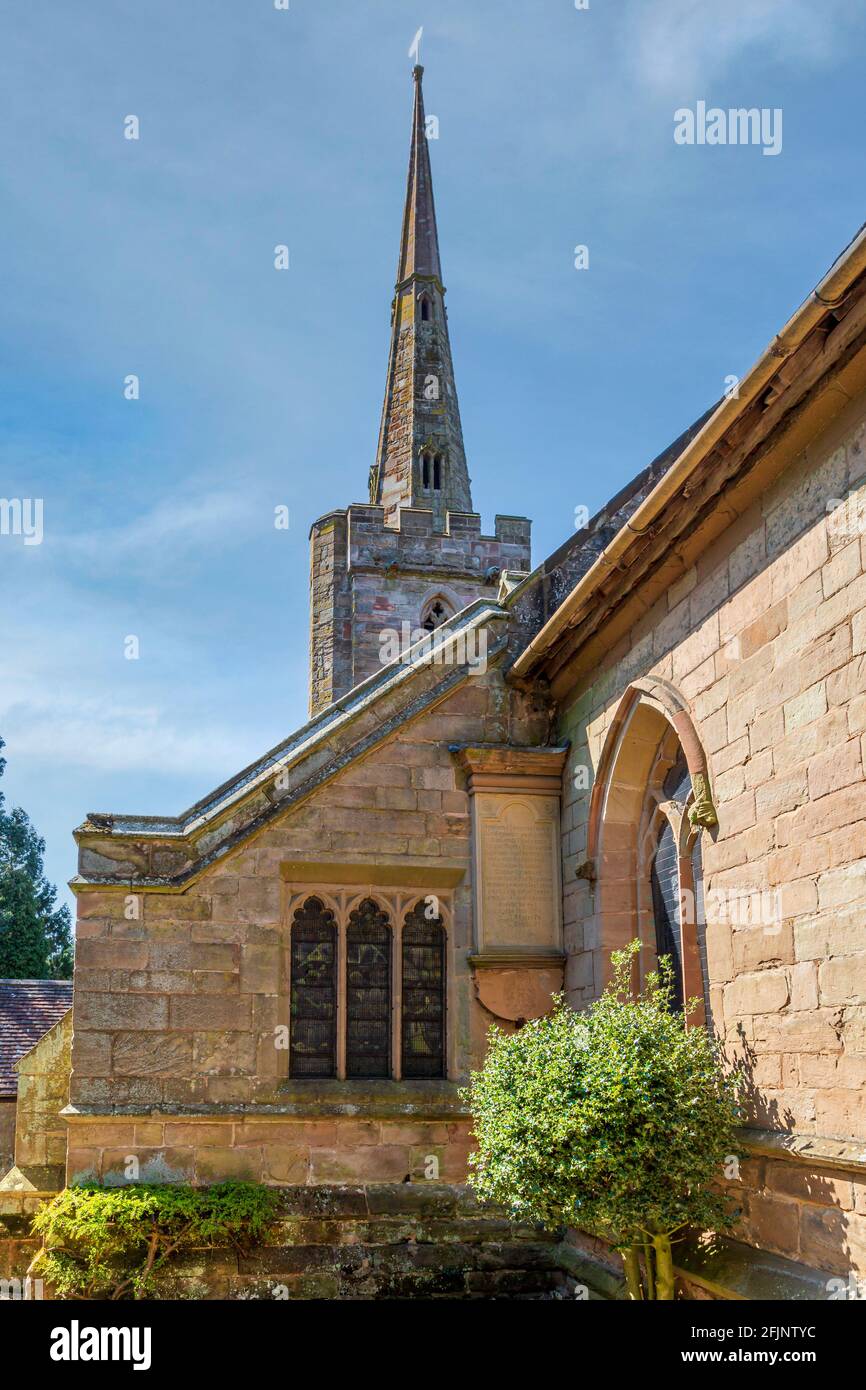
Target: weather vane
[{"x": 415, "y": 47}]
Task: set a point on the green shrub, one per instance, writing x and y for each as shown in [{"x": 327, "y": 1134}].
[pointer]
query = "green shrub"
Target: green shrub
[
  {"x": 110, "y": 1242},
  {"x": 617, "y": 1121}
]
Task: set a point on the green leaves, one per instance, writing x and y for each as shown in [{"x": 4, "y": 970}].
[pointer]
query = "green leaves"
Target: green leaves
[
  {"x": 617, "y": 1120},
  {"x": 110, "y": 1242}
]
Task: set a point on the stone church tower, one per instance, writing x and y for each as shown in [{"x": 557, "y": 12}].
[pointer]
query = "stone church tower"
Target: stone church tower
[{"x": 414, "y": 555}]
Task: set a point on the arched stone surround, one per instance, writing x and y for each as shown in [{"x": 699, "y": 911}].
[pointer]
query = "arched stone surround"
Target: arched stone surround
[{"x": 627, "y": 804}]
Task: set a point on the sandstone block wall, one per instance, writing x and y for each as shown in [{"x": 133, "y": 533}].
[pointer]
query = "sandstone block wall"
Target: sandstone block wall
[
  {"x": 764, "y": 640},
  {"x": 330, "y": 611},
  {"x": 178, "y": 995},
  {"x": 7, "y": 1135},
  {"x": 812, "y": 1212},
  {"x": 43, "y": 1091},
  {"x": 278, "y": 1150}
]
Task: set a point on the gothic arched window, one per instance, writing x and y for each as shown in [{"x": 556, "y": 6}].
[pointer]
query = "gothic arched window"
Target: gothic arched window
[
  {"x": 426, "y": 461},
  {"x": 676, "y": 883},
  {"x": 665, "y": 884},
  {"x": 368, "y": 992},
  {"x": 426, "y": 310},
  {"x": 313, "y": 1034},
  {"x": 435, "y": 612},
  {"x": 649, "y": 809},
  {"x": 437, "y": 473},
  {"x": 422, "y": 1025}
]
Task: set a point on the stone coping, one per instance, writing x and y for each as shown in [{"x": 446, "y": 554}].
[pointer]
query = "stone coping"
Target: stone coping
[
  {"x": 727, "y": 1269},
  {"x": 732, "y": 1270},
  {"x": 166, "y": 855},
  {"x": 33, "y": 1179},
  {"x": 315, "y": 732},
  {"x": 814, "y": 1149}
]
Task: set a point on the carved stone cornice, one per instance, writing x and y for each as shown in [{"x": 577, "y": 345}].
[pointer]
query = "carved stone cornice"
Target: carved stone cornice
[{"x": 501, "y": 766}]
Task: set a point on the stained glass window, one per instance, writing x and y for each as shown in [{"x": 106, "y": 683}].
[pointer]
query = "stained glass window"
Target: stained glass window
[
  {"x": 665, "y": 881},
  {"x": 368, "y": 992},
  {"x": 313, "y": 1042},
  {"x": 423, "y": 1021}
]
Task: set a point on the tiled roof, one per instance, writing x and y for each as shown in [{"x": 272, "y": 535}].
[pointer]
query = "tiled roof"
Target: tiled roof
[{"x": 28, "y": 1008}]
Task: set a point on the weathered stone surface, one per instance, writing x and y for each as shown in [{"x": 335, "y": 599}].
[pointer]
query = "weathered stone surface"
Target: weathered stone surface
[
  {"x": 762, "y": 647},
  {"x": 150, "y": 1054},
  {"x": 517, "y": 994}
]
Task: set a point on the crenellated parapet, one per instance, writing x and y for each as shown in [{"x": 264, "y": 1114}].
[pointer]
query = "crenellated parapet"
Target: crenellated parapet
[
  {"x": 370, "y": 578},
  {"x": 415, "y": 543}
]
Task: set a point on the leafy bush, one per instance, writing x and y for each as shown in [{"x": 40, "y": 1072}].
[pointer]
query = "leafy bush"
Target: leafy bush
[
  {"x": 101, "y": 1242},
  {"x": 617, "y": 1120}
]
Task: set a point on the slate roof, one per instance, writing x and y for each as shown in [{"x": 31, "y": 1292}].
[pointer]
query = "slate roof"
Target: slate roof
[{"x": 28, "y": 1008}]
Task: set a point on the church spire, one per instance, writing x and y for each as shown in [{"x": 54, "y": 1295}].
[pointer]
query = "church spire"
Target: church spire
[
  {"x": 420, "y": 461},
  {"x": 419, "y": 246}
]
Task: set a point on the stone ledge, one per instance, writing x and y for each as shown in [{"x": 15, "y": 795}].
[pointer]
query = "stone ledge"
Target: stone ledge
[
  {"x": 729, "y": 1269},
  {"x": 726, "y": 1269},
  {"x": 813, "y": 1149},
  {"x": 432, "y": 1100},
  {"x": 602, "y": 1283},
  {"x": 516, "y": 958},
  {"x": 32, "y": 1178},
  {"x": 506, "y": 766}
]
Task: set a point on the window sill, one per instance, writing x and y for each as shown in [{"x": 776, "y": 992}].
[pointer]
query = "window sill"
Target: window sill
[
  {"x": 313, "y": 1099},
  {"x": 382, "y": 1099}
]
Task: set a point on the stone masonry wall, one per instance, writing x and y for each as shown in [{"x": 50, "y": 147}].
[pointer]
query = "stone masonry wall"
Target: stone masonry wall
[
  {"x": 177, "y": 999},
  {"x": 330, "y": 612},
  {"x": 7, "y": 1135},
  {"x": 275, "y": 1149},
  {"x": 43, "y": 1091},
  {"x": 765, "y": 639}
]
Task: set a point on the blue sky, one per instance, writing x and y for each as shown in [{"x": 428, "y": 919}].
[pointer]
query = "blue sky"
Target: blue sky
[{"x": 262, "y": 388}]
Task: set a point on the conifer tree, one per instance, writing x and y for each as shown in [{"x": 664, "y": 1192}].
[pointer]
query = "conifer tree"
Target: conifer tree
[{"x": 35, "y": 934}]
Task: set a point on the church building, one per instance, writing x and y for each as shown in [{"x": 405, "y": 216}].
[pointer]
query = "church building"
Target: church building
[{"x": 512, "y": 768}]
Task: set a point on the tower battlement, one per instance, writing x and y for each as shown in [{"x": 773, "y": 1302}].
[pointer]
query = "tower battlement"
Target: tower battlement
[
  {"x": 460, "y": 537},
  {"x": 367, "y": 576}
]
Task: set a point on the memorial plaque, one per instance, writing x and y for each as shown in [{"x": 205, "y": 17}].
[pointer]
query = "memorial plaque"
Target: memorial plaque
[{"x": 517, "y": 871}]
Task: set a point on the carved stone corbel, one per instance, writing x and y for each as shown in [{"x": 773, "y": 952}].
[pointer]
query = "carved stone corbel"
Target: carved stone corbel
[{"x": 702, "y": 812}]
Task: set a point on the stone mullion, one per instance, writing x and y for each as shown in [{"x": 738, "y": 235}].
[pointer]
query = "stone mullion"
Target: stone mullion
[
  {"x": 341, "y": 989},
  {"x": 397, "y": 989},
  {"x": 284, "y": 984},
  {"x": 693, "y": 979}
]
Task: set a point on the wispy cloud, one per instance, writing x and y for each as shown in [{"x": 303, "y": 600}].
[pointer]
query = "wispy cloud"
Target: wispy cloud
[
  {"x": 100, "y": 734},
  {"x": 176, "y": 530},
  {"x": 683, "y": 42}
]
